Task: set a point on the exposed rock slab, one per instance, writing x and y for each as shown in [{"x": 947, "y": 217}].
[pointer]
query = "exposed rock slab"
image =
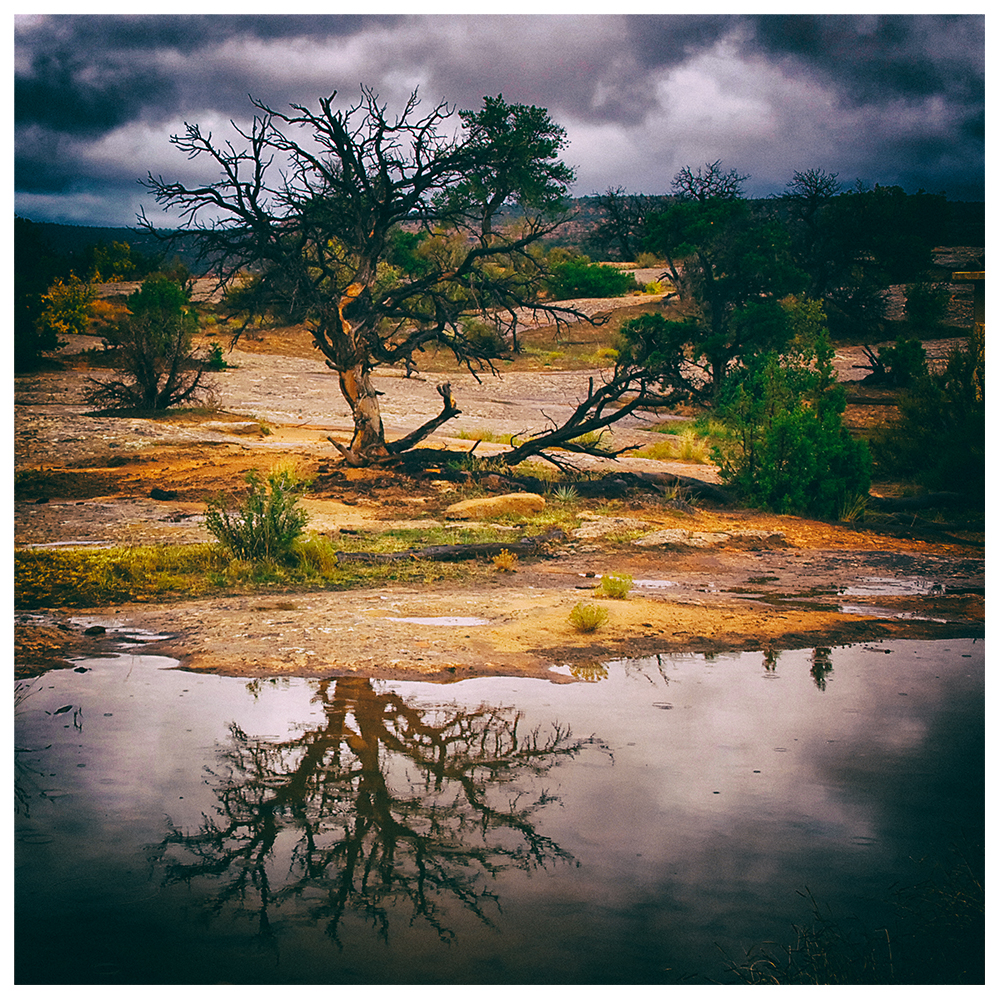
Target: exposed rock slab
[
  {"x": 710, "y": 539},
  {"x": 487, "y": 507},
  {"x": 599, "y": 527}
]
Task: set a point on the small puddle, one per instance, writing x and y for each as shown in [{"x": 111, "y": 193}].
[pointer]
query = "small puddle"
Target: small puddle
[
  {"x": 885, "y": 586},
  {"x": 443, "y": 620},
  {"x": 874, "y": 610},
  {"x": 654, "y": 584}
]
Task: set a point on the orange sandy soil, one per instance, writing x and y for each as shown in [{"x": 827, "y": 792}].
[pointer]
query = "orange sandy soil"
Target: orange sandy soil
[
  {"x": 724, "y": 598},
  {"x": 729, "y": 597}
]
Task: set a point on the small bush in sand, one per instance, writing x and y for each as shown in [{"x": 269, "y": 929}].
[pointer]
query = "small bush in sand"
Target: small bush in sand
[
  {"x": 588, "y": 617},
  {"x": 615, "y": 585},
  {"x": 505, "y": 561}
]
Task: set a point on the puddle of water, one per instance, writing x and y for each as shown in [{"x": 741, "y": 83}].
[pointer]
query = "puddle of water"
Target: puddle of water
[
  {"x": 125, "y": 634},
  {"x": 895, "y": 586},
  {"x": 186, "y": 828},
  {"x": 654, "y": 584},
  {"x": 875, "y": 611},
  {"x": 443, "y": 620}
]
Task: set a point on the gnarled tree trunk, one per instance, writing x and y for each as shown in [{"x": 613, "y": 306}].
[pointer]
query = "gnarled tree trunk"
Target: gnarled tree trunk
[{"x": 369, "y": 436}]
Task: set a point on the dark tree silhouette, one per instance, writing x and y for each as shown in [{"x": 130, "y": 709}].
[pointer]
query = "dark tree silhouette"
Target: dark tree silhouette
[
  {"x": 456, "y": 811},
  {"x": 383, "y": 234},
  {"x": 709, "y": 181},
  {"x": 731, "y": 263},
  {"x": 624, "y": 221}
]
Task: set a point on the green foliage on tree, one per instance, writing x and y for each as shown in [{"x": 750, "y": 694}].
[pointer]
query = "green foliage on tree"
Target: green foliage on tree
[
  {"x": 66, "y": 309},
  {"x": 788, "y": 449},
  {"x": 731, "y": 263},
  {"x": 155, "y": 361},
  {"x": 578, "y": 278},
  {"x": 323, "y": 233},
  {"x": 112, "y": 263},
  {"x": 622, "y": 229},
  {"x": 36, "y": 265},
  {"x": 939, "y": 440},
  {"x": 853, "y": 244},
  {"x": 926, "y": 304},
  {"x": 902, "y": 363}
]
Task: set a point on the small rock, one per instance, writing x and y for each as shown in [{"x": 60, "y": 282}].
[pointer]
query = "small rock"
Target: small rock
[
  {"x": 157, "y": 494},
  {"x": 234, "y": 427},
  {"x": 95, "y": 630},
  {"x": 598, "y": 527},
  {"x": 486, "y": 507},
  {"x": 666, "y": 536}
]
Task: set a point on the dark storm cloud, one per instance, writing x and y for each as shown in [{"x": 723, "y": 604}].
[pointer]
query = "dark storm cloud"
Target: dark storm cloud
[
  {"x": 62, "y": 93},
  {"x": 884, "y": 98},
  {"x": 880, "y": 58},
  {"x": 89, "y": 74}
]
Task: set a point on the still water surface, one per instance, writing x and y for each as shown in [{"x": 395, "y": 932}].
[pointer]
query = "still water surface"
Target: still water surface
[{"x": 626, "y": 828}]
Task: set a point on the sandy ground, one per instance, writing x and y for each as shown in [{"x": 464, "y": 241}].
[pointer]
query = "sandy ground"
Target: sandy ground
[{"x": 796, "y": 583}]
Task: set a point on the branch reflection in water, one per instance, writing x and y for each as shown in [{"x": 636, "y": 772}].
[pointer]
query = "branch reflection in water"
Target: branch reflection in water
[{"x": 384, "y": 802}]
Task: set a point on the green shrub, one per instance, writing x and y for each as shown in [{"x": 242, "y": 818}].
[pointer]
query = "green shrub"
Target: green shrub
[
  {"x": 579, "y": 279},
  {"x": 926, "y": 304},
  {"x": 267, "y": 524},
  {"x": 789, "y": 451},
  {"x": 939, "y": 439},
  {"x": 156, "y": 366},
  {"x": 485, "y": 339},
  {"x": 216, "y": 361},
  {"x": 615, "y": 585},
  {"x": 588, "y": 617},
  {"x": 904, "y": 362}
]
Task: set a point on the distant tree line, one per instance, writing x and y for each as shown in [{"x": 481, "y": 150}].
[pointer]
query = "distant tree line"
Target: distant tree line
[{"x": 53, "y": 282}]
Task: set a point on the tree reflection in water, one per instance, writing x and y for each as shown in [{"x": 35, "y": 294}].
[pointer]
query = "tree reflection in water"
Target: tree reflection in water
[
  {"x": 821, "y": 666},
  {"x": 382, "y": 803}
]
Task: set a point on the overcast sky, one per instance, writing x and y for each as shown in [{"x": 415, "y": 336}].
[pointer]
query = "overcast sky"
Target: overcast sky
[{"x": 895, "y": 99}]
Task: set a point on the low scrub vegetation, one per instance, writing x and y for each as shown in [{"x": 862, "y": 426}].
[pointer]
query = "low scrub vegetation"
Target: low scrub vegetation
[
  {"x": 267, "y": 523},
  {"x": 505, "y": 561},
  {"x": 484, "y": 434},
  {"x": 80, "y": 578},
  {"x": 934, "y": 935},
  {"x": 788, "y": 450},
  {"x": 588, "y": 617},
  {"x": 939, "y": 439},
  {"x": 578, "y": 278},
  {"x": 616, "y": 585},
  {"x": 154, "y": 356}
]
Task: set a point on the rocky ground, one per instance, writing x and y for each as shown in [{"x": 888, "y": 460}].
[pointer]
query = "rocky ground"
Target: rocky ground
[{"x": 708, "y": 578}]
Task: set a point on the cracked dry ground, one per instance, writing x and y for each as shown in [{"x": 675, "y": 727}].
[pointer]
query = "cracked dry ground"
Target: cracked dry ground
[{"x": 756, "y": 581}]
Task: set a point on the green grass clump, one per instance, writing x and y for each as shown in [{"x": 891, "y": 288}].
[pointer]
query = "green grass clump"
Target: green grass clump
[
  {"x": 86, "y": 578},
  {"x": 615, "y": 585},
  {"x": 482, "y": 434},
  {"x": 588, "y": 617},
  {"x": 92, "y": 577},
  {"x": 267, "y": 523},
  {"x": 566, "y": 493}
]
